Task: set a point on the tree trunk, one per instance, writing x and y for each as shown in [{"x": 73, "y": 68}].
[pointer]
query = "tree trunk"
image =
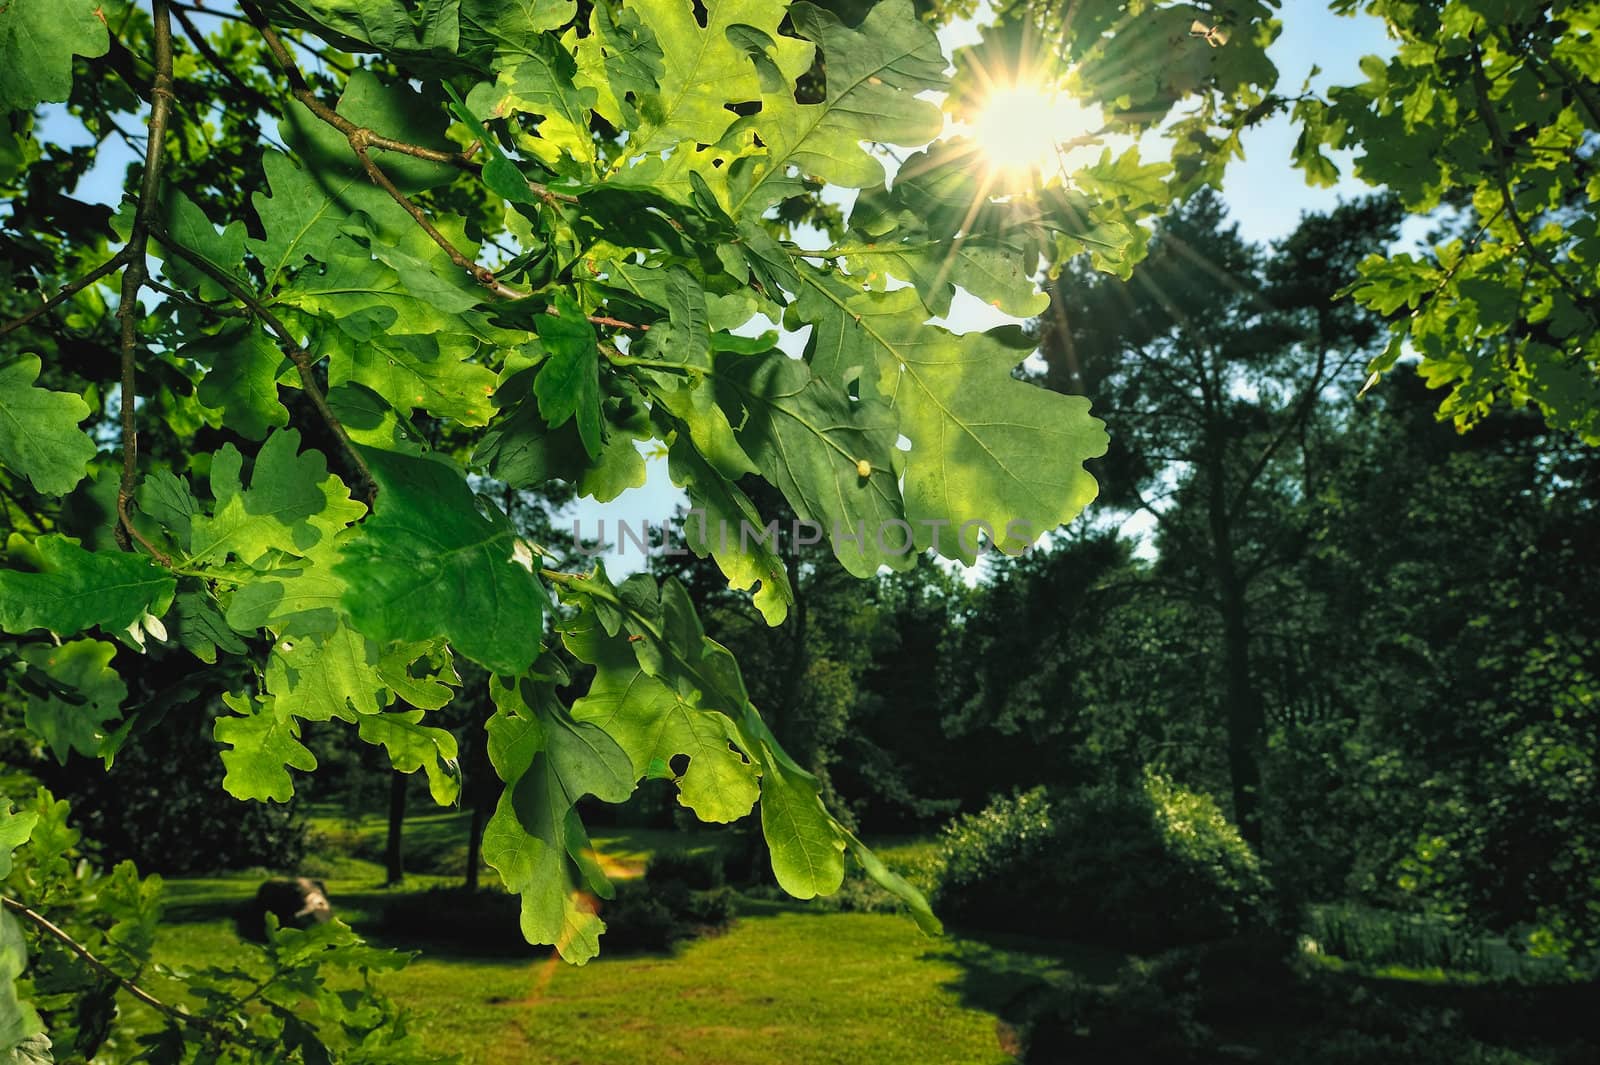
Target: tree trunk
[
  {"x": 393, "y": 856},
  {"x": 1246, "y": 714},
  {"x": 480, "y": 817}
]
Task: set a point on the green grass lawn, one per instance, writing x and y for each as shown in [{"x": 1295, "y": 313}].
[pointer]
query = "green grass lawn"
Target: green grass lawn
[
  {"x": 782, "y": 985},
  {"x": 785, "y": 984}
]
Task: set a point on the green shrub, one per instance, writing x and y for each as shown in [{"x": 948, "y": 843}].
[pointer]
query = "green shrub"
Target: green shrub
[{"x": 1141, "y": 868}]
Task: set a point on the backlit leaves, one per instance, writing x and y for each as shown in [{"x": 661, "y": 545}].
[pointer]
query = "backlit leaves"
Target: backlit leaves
[
  {"x": 623, "y": 178},
  {"x": 85, "y": 696},
  {"x": 263, "y": 747},
  {"x": 291, "y": 505},
  {"x": 874, "y": 72},
  {"x": 990, "y": 455},
  {"x": 430, "y": 563},
  {"x": 656, "y": 724}
]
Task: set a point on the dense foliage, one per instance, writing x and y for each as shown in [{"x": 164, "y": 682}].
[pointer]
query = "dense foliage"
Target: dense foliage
[
  {"x": 1143, "y": 867},
  {"x": 278, "y": 431},
  {"x": 309, "y": 992}
]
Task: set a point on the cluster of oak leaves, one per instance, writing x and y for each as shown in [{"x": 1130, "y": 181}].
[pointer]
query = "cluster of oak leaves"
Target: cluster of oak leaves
[{"x": 648, "y": 262}]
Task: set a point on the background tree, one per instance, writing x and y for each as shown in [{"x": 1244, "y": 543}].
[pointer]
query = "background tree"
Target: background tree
[{"x": 1213, "y": 364}]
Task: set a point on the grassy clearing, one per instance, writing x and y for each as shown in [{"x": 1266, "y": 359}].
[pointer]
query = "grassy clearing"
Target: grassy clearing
[
  {"x": 787, "y": 983},
  {"x": 783, "y": 984}
]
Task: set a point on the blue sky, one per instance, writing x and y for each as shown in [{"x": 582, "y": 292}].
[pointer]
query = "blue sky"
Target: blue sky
[{"x": 1266, "y": 194}]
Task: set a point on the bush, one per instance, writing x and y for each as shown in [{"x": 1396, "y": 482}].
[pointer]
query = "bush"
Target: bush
[{"x": 1142, "y": 868}]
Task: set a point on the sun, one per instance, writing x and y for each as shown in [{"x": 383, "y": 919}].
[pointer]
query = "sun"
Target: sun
[{"x": 1024, "y": 130}]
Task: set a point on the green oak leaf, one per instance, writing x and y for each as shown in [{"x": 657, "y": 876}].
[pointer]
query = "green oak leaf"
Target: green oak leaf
[
  {"x": 304, "y": 597},
  {"x": 191, "y": 230},
  {"x": 806, "y": 844},
  {"x": 430, "y": 563},
  {"x": 318, "y": 679},
  {"x": 430, "y": 691},
  {"x": 522, "y": 450},
  {"x": 370, "y": 419},
  {"x": 292, "y": 504},
  {"x": 409, "y": 288},
  {"x": 535, "y": 839},
  {"x": 19, "y": 1021},
  {"x": 989, "y": 454},
  {"x": 542, "y": 82},
  {"x": 198, "y": 626},
  {"x": 895, "y": 884},
  {"x": 833, "y": 459},
  {"x": 39, "y": 434},
  {"x": 264, "y": 747},
  {"x": 998, "y": 269},
  {"x": 499, "y": 31},
  {"x": 669, "y": 644},
  {"x": 704, "y": 70},
  {"x": 166, "y": 498},
  {"x": 15, "y": 828},
  {"x": 655, "y": 724},
  {"x": 395, "y": 110},
  {"x": 874, "y": 73},
  {"x": 76, "y": 589},
  {"x": 428, "y": 373},
  {"x": 240, "y": 386},
  {"x": 300, "y": 217},
  {"x": 568, "y": 384},
  {"x": 79, "y": 723},
  {"x": 38, "y": 39},
  {"x": 528, "y": 847},
  {"x": 414, "y": 746},
  {"x": 619, "y": 58}
]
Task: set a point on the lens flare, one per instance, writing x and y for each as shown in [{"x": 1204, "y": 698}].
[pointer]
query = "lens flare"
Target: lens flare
[{"x": 1027, "y": 130}]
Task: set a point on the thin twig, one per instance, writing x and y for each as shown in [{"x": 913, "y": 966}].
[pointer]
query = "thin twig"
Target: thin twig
[
  {"x": 616, "y": 323},
  {"x": 134, "y": 272},
  {"x": 67, "y": 292},
  {"x": 176, "y": 1013},
  {"x": 221, "y": 310},
  {"x": 303, "y": 361}
]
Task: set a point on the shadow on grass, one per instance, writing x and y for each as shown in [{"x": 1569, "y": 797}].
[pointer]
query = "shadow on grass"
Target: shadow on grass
[{"x": 1002, "y": 972}]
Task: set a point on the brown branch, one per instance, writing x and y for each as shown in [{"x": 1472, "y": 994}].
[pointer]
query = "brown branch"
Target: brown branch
[
  {"x": 68, "y": 291},
  {"x": 126, "y": 521},
  {"x": 176, "y": 1013},
  {"x": 303, "y": 361},
  {"x": 616, "y": 323},
  {"x": 221, "y": 310},
  {"x": 134, "y": 272}
]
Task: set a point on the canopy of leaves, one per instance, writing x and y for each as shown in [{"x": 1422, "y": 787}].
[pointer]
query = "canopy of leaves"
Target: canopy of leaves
[{"x": 327, "y": 401}]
